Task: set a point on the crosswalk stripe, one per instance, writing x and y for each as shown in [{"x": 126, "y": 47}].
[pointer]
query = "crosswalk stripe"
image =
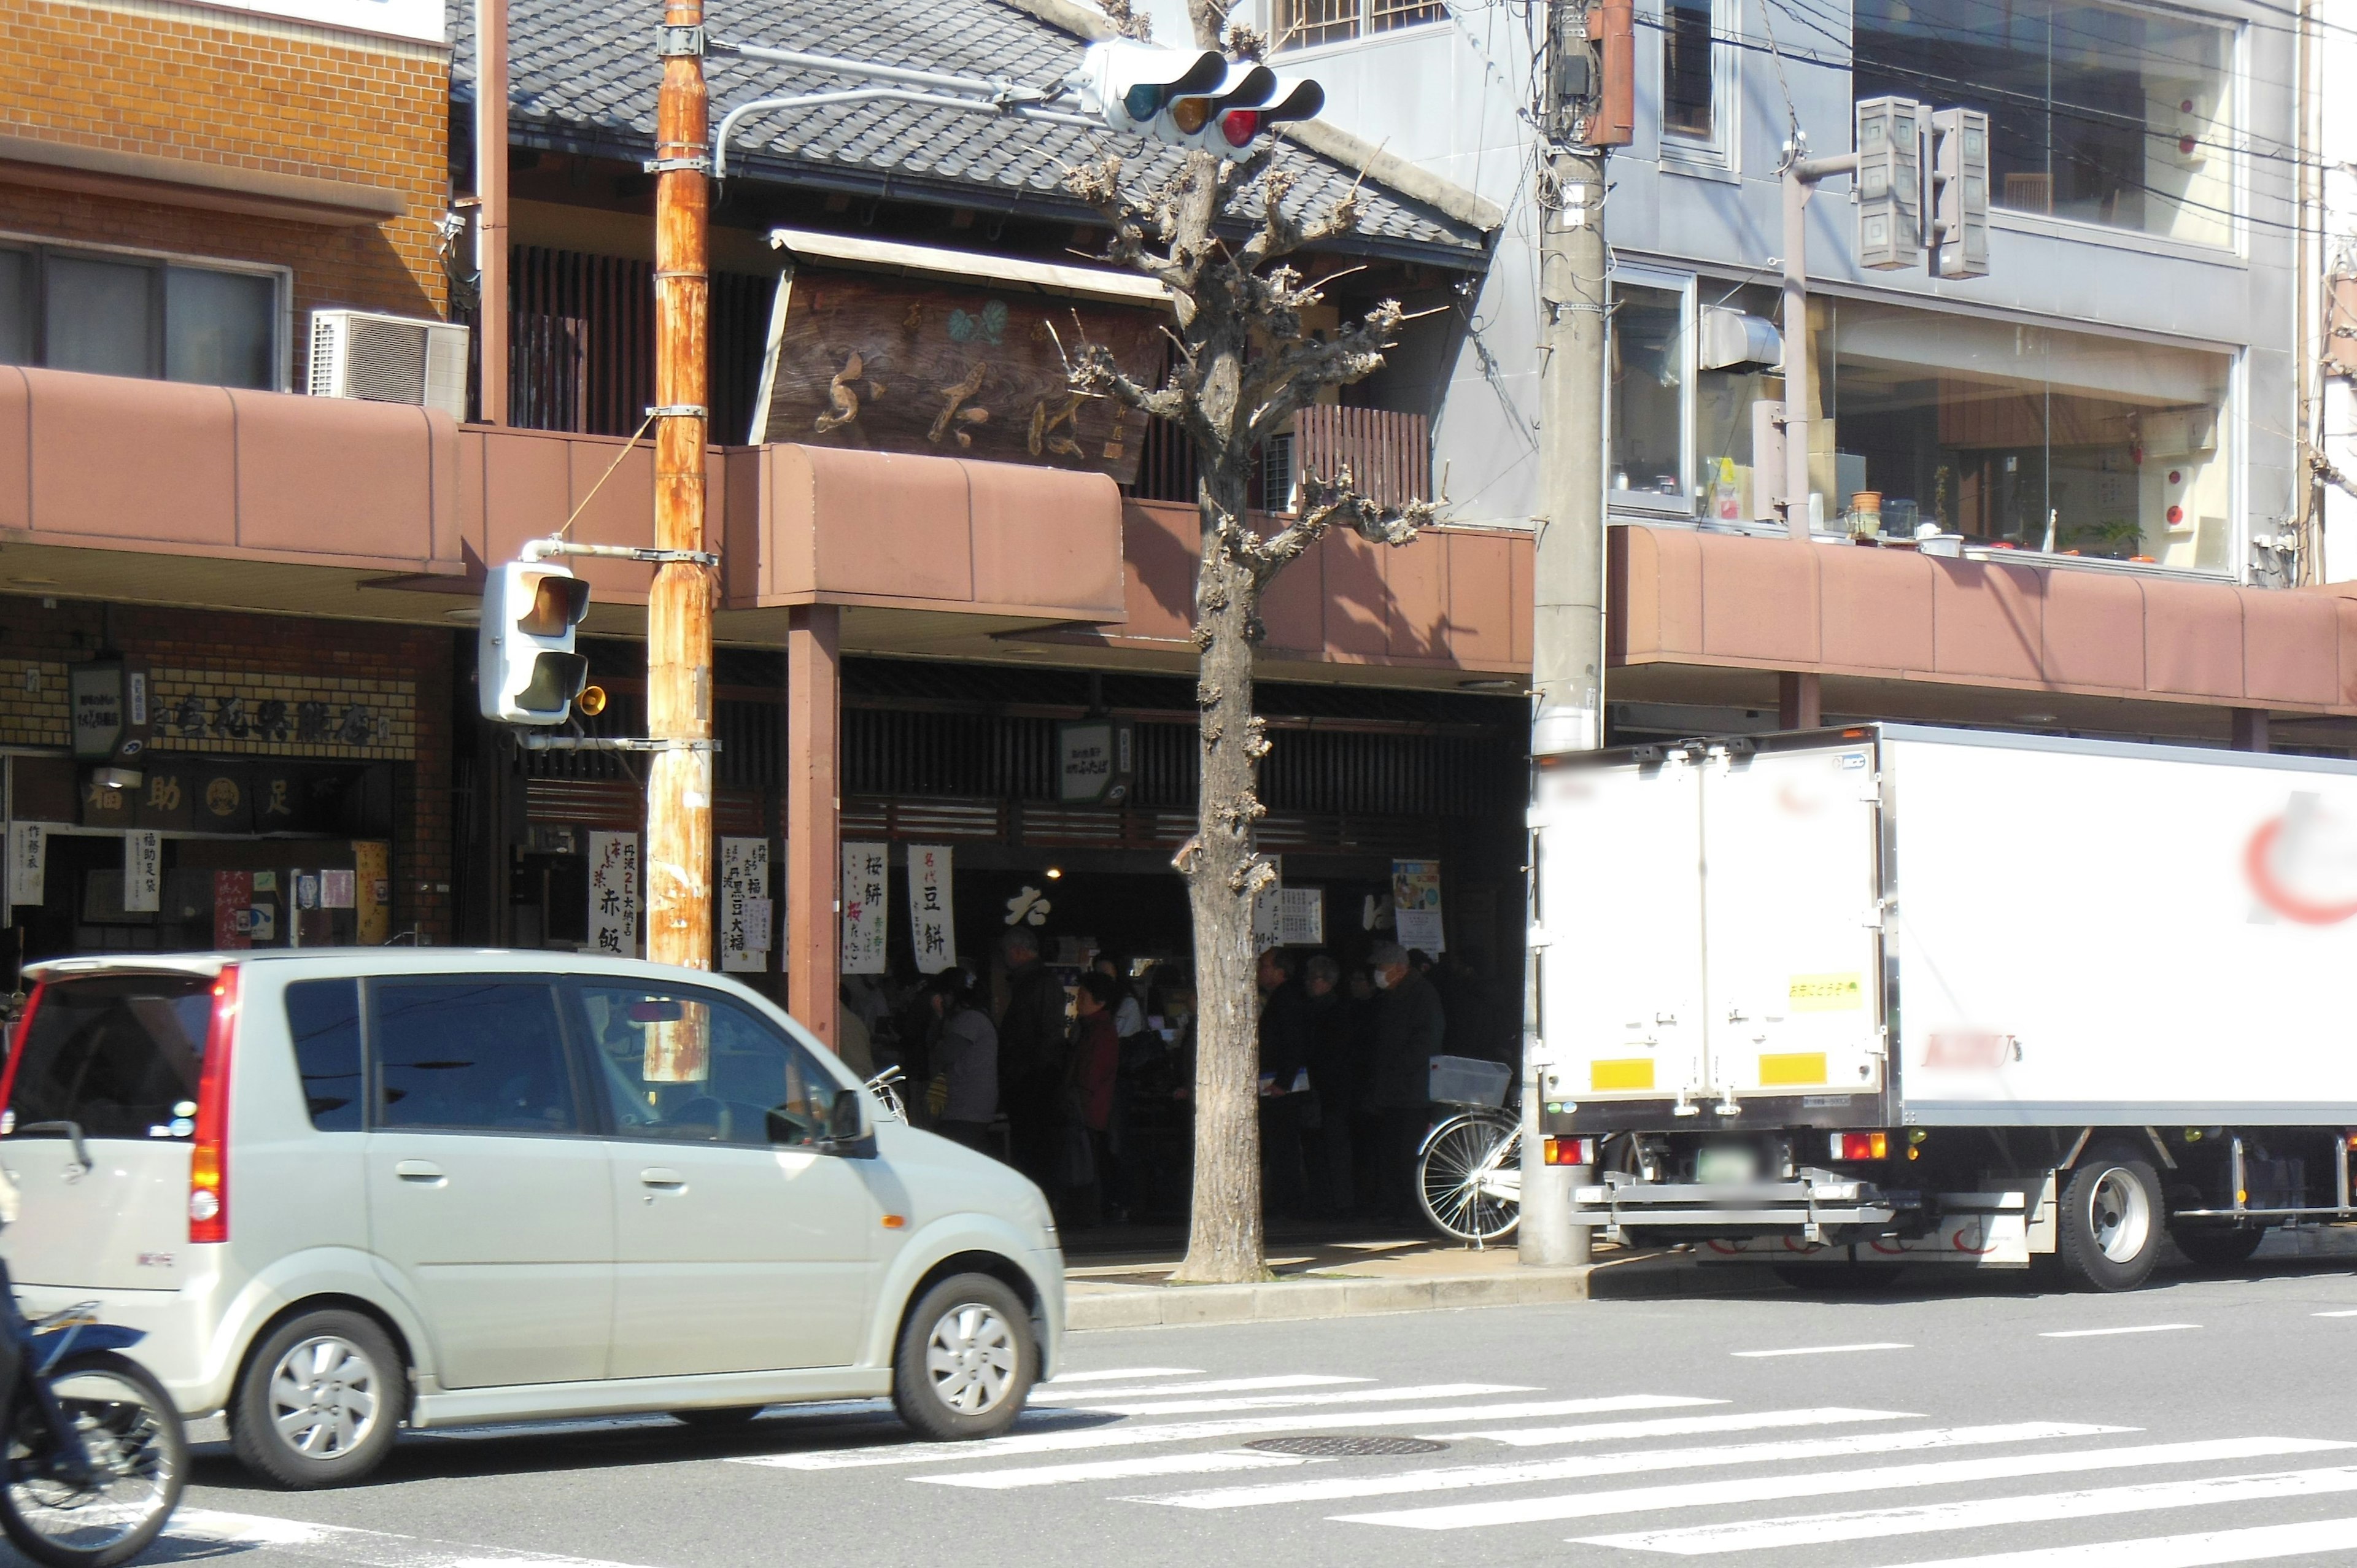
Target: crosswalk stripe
[
  {"x": 2255, "y": 1544},
  {"x": 1674, "y": 1426},
  {"x": 1456, "y": 1477},
  {"x": 1981, "y": 1513},
  {"x": 342, "y": 1544},
  {"x": 1120, "y": 1469},
  {"x": 1289, "y": 1402},
  {"x": 1124, "y": 1435},
  {"x": 2107, "y": 1333},
  {"x": 1826, "y": 1349},
  {"x": 1119, "y": 1374},
  {"x": 1053, "y": 1395},
  {"x": 2337, "y": 1315},
  {"x": 1830, "y": 1483}
]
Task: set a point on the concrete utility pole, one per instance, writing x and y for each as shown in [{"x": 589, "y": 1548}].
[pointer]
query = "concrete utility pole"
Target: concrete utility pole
[
  {"x": 1801, "y": 177},
  {"x": 491, "y": 208},
  {"x": 1589, "y": 108},
  {"x": 679, "y": 609}
]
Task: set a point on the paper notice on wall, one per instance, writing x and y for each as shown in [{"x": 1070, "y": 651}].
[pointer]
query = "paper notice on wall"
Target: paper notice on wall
[
  {"x": 614, "y": 895},
  {"x": 1301, "y": 918},
  {"x": 745, "y": 905},
  {"x": 1268, "y": 907},
  {"x": 1415, "y": 905},
  {"x": 338, "y": 890},
  {"x": 143, "y": 872},
  {"x": 232, "y": 910},
  {"x": 28, "y": 852},
  {"x": 867, "y": 884},
  {"x": 932, "y": 932}
]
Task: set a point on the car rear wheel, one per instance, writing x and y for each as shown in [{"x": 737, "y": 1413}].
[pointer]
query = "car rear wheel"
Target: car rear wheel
[
  {"x": 320, "y": 1401},
  {"x": 2111, "y": 1226},
  {"x": 966, "y": 1360}
]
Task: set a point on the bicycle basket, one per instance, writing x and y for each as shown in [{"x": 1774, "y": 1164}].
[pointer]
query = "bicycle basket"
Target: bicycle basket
[{"x": 1469, "y": 1081}]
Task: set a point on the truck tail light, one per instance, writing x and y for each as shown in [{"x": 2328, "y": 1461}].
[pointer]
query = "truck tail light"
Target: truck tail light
[
  {"x": 208, "y": 1157},
  {"x": 1571, "y": 1150},
  {"x": 1860, "y": 1145}
]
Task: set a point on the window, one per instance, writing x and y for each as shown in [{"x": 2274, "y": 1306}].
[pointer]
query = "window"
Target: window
[
  {"x": 686, "y": 1066},
  {"x": 2098, "y": 112},
  {"x": 1304, "y": 24},
  {"x": 478, "y": 1055},
  {"x": 1277, "y": 472},
  {"x": 1650, "y": 378},
  {"x": 324, "y": 1017},
  {"x": 138, "y": 315},
  {"x": 1689, "y": 70},
  {"x": 118, "y": 1055}
]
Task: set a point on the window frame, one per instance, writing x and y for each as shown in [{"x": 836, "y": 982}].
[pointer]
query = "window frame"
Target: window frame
[
  {"x": 1653, "y": 504},
  {"x": 1362, "y": 29},
  {"x": 588, "y": 1069},
  {"x": 1715, "y": 151},
  {"x": 40, "y": 249},
  {"x": 590, "y": 1110}
]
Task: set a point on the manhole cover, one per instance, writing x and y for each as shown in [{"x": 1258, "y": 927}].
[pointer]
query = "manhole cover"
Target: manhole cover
[{"x": 1345, "y": 1447}]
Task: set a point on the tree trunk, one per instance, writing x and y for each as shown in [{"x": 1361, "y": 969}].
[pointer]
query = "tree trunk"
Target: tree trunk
[{"x": 1224, "y": 1244}]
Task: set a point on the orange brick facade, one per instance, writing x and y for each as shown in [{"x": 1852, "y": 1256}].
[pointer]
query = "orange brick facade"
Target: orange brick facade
[{"x": 228, "y": 89}]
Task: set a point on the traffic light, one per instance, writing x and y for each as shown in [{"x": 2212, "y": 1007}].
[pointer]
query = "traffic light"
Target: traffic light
[
  {"x": 526, "y": 670},
  {"x": 1232, "y": 130},
  {"x": 1191, "y": 98},
  {"x": 1960, "y": 193},
  {"x": 1890, "y": 183}
]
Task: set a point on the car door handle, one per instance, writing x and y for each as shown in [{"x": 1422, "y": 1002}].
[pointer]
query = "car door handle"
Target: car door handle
[
  {"x": 662, "y": 1177},
  {"x": 424, "y": 1171}
]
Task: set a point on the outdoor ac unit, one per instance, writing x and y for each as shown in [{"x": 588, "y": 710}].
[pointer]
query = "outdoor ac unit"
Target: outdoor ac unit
[{"x": 389, "y": 359}]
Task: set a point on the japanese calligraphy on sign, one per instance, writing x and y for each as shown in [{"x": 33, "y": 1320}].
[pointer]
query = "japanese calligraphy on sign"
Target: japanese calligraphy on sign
[
  {"x": 866, "y": 882},
  {"x": 932, "y": 929},
  {"x": 743, "y": 914},
  {"x": 287, "y": 714},
  {"x": 954, "y": 369},
  {"x": 28, "y": 854},
  {"x": 614, "y": 894},
  {"x": 142, "y": 871}
]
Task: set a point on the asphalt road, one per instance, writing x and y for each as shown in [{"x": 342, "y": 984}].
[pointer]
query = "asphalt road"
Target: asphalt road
[{"x": 1987, "y": 1422}]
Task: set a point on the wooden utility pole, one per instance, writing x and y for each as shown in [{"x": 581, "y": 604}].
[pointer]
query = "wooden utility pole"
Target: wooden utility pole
[
  {"x": 492, "y": 210},
  {"x": 679, "y": 609}
]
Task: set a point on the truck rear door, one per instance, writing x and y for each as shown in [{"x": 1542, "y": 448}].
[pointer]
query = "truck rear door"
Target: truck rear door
[
  {"x": 1620, "y": 850},
  {"x": 1791, "y": 922}
]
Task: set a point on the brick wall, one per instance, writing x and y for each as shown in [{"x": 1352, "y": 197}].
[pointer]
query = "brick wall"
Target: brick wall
[
  {"x": 234, "y": 653},
  {"x": 175, "y": 80}
]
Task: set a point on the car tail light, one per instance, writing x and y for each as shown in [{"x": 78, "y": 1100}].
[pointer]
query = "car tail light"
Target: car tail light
[
  {"x": 1861, "y": 1145},
  {"x": 1571, "y": 1150},
  {"x": 17, "y": 1054},
  {"x": 209, "y": 1159}
]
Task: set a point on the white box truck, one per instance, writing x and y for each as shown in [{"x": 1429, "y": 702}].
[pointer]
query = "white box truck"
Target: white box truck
[{"x": 1845, "y": 999}]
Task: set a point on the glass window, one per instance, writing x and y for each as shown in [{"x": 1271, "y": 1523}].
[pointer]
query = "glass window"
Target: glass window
[
  {"x": 324, "y": 1016},
  {"x": 1689, "y": 74},
  {"x": 1391, "y": 14},
  {"x": 2097, "y": 113},
  {"x": 219, "y": 329},
  {"x": 15, "y": 314},
  {"x": 1303, "y": 23},
  {"x": 98, "y": 315},
  {"x": 118, "y": 1055},
  {"x": 1723, "y": 400},
  {"x": 479, "y": 1055},
  {"x": 684, "y": 1065},
  {"x": 1648, "y": 395}
]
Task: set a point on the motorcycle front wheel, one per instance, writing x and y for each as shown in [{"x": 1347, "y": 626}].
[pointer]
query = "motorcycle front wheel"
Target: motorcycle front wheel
[{"x": 138, "y": 1460}]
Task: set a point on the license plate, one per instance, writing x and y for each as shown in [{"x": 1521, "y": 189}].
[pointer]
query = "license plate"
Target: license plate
[{"x": 1726, "y": 1165}]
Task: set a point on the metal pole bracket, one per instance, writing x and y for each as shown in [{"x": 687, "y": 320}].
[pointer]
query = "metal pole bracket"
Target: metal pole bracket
[
  {"x": 679, "y": 43},
  {"x": 694, "y": 162},
  {"x": 610, "y": 743}
]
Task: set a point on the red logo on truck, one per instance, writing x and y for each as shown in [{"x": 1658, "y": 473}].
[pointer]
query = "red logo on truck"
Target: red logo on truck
[{"x": 2289, "y": 855}]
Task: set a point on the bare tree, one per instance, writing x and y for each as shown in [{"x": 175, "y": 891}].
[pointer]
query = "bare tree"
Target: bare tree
[{"x": 1245, "y": 363}]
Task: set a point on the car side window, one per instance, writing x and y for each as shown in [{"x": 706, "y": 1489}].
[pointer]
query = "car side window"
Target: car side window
[
  {"x": 682, "y": 1065},
  {"x": 476, "y": 1054},
  {"x": 324, "y": 1017}
]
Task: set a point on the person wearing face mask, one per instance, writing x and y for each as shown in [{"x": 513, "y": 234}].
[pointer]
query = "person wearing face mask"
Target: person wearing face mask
[{"x": 1409, "y": 1031}]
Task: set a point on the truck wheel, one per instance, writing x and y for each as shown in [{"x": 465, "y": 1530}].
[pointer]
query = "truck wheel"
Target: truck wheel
[
  {"x": 2111, "y": 1220},
  {"x": 2215, "y": 1248}
]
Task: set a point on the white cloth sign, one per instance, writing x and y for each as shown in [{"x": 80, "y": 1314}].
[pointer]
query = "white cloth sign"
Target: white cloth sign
[
  {"x": 614, "y": 897},
  {"x": 866, "y": 887},
  {"x": 1266, "y": 904},
  {"x": 27, "y": 853},
  {"x": 744, "y": 885},
  {"x": 930, "y": 929},
  {"x": 143, "y": 872}
]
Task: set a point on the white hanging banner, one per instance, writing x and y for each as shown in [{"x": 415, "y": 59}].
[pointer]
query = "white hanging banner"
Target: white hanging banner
[
  {"x": 931, "y": 930},
  {"x": 866, "y": 887},
  {"x": 614, "y": 894},
  {"x": 1266, "y": 905},
  {"x": 28, "y": 852},
  {"x": 745, "y": 905},
  {"x": 143, "y": 872}
]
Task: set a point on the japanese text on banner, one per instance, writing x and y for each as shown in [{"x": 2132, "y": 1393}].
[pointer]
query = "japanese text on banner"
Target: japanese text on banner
[
  {"x": 614, "y": 894},
  {"x": 867, "y": 884},
  {"x": 744, "y": 917},
  {"x": 143, "y": 872},
  {"x": 930, "y": 929}
]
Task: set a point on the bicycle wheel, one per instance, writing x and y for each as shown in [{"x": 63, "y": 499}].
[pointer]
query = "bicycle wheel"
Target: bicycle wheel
[
  {"x": 139, "y": 1461},
  {"x": 1469, "y": 1166}
]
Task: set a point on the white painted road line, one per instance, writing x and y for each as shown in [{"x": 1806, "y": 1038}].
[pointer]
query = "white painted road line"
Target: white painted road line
[
  {"x": 1823, "y": 1349},
  {"x": 1052, "y": 1396},
  {"x": 1119, "y": 1374},
  {"x": 1292, "y": 1401},
  {"x": 343, "y": 1544},
  {"x": 1674, "y": 1426},
  {"x": 1834, "y": 1483},
  {"x": 1980, "y": 1513},
  {"x": 1121, "y": 1469},
  {"x": 2256, "y": 1545},
  {"x": 2103, "y": 1333},
  {"x": 1127, "y": 1434},
  {"x": 1457, "y": 1477},
  {"x": 2353, "y": 1313}
]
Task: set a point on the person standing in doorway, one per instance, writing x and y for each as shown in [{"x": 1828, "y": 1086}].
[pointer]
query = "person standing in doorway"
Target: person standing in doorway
[
  {"x": 1089, "y": 1097},
  {"x": 1409, "y": 1032},
  {"x": 1284, "y": 1084},
  {"x": 1334, "y": 1078},
  {"x": 964, "y": 1053},
  {"x": 1031, "y": 1057}
]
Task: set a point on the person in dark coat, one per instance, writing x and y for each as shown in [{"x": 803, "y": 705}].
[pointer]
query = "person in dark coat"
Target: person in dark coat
[
  {"x": 1032, "y": 1053},
  {"x": 1089, "y": 1098},
  {"x": 1283, "y": 1085},
  {"x": 1334, "y": 1079},
  {"x": 1410, "y": 1030}
]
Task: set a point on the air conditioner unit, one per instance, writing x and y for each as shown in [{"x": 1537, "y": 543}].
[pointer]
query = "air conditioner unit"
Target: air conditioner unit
[{"x": 389, "y": 359}]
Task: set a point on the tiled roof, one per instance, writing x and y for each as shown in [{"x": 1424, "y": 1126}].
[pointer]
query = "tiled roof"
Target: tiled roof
[{"x": 583, "y": 73}]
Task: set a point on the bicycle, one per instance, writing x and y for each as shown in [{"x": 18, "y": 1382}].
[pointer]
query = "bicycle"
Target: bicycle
[{"x": 1468, "y": 1169}]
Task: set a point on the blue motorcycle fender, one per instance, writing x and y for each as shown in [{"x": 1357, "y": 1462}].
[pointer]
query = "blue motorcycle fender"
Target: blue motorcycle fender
[{"x": 50, "y": 1345}]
